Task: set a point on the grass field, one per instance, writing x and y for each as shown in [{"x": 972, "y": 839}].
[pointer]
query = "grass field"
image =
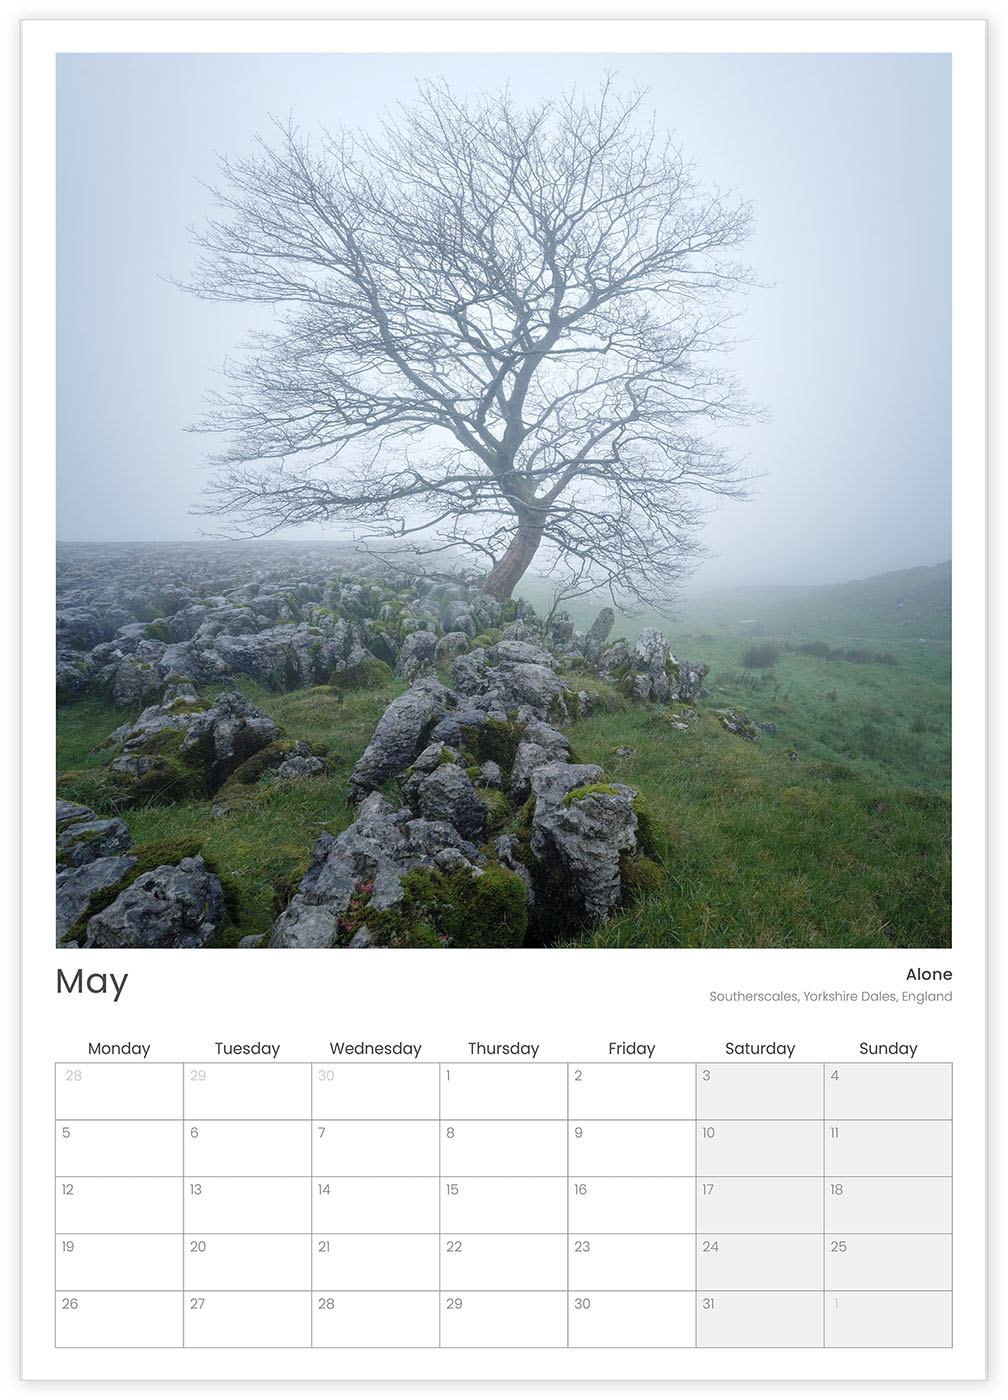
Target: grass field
[{"x": 834, "y": 831}]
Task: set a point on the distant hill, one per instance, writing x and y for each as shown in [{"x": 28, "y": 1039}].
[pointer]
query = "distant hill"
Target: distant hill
[
  {"x": 903, "y": 606},
  {"x": 900, "y": 606}
]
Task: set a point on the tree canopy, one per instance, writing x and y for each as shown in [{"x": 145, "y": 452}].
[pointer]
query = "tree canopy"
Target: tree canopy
[{"x": 499, "y": 332}]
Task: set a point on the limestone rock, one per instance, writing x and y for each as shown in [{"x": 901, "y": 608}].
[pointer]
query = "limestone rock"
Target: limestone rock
[
  {"x": 76, "y": 885},
  {"x": 447, "y": 795},
  {"x": 380, "y": 847},
  {"x": 595, "y": 638},
  {"x": 416, "y": 654},
  {"x": 301, "y": 766},
  {"x": 401, "y": 733},
  {"x": 584, "y": 836},
  {"x": 81, "y": 842},
  {"x": 174, "y": 906}
]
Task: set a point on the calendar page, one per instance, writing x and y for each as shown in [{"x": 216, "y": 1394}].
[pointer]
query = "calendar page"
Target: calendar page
[{"x": 552, "y": 594}]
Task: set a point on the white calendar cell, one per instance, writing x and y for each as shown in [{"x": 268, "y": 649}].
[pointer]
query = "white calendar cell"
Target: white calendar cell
[
  {"x": 503, "y": 1091},
  {"x": 510, "y": 1148},
  {"x": 644, "y": 1090},
  {"x": 760, "y": 1090},
  {"x": 118, "y": 1205},
  {"x": 759, "y": 1147},
  {"x": 128, "y": 1318},
  {"x": 528, "y": 1205},
  {"x": 107, "y": 1147},
  {"x": 888, "y": 1205},
  {"x": 342, "y": 1262},
  {"x": 139, "y": 1262},
  {"x": 889, "y": 1319},
  {"x": 272, "y": 1262},
  {"x": 902, "y": 1148},
  {"x": 624, "y": 1205},
  {"x": 504, "y": 1319},
  {"x": 368, "y": 1206},
  {"x": 254, "y": 1090},
  {"x": 246, "y": 1205},
  {"x": 642, "y": 1262},
  {"x": 364, "y": 1090},
  {"x": 767, "y": 1204},
  {"x": 755, "y": 1262},
  {"x": 374, "y": 1148},
  {"x": 888, "y": 1091},
  {"x": 602, "y": 1319},
  {"x": 240, "y": 1147},
  {"x": 112, "y": 1090},
  {"x": 386, "y": 1320},
  {"x": 503, "y": 1261},
  {"x": 631, "y": 1147},
  {"x": 246, "y": 1319},
  {"x": 889, "y": 1262},
  {"x": 758, "y": 1319}
]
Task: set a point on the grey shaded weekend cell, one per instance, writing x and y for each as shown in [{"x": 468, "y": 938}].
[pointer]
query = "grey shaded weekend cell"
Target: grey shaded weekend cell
[
  {"x": 759, "y": 1262},
  {"x": 882, "y": 1090},
  {"x": 889, "y": 1148},
  {"x": 889, "y": 1319},
  {"x": 764, "y": 1205},
  {"x": 893, "y": 1205},
  {"x": 889, "y": 1261},
  {"x": 760, "y": 1319},
  {"x": 760, "y": 1090},
  {"x": 761, "y": 1147}
]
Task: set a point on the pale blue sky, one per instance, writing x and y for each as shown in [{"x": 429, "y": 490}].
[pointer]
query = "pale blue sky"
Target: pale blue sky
[{"x": 846, "y": 160}]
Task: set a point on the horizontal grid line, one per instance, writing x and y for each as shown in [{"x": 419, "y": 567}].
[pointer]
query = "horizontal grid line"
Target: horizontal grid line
[
  {"x": 547, "y": 1234},
  {"x": 461, "y": 1290}
]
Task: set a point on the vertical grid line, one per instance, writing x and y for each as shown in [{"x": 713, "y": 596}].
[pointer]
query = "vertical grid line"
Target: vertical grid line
[
  {"x": 696, "y": 1204},
  {"x": 824, "y": 1204},
  {"x": 311, "y": 1205},
  {"x": 951, "y": 1279},
  {"x": 568, "y": 1203},
  {"x": 440, "y": 1184},
  {"x": 183, "y": 1184},
  {"x": 55, "y": 1208}
]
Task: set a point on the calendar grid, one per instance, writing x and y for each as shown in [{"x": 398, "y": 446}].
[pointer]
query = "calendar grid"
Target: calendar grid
[{"x": 883, "y": 1162}]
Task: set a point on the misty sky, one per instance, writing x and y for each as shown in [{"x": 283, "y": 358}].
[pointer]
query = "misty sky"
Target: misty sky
[{"x": 846, "y": 160}]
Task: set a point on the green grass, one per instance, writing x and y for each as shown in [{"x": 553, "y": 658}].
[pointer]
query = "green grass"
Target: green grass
[{"x": 762, "y": 851}]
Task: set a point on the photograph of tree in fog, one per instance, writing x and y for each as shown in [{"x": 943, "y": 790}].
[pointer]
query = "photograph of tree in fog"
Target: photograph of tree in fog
[{"x": 503, "y": 500}]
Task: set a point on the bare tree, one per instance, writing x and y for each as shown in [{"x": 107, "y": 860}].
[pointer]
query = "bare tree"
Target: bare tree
[{"x": 498, "y": 330}]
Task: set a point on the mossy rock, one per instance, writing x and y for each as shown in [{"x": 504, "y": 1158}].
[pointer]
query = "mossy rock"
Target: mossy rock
[
  {"x": 641, "y": 876},
  {"x": 157, "y": 631},
  {"x": 651, "y": 841},
  {"x": 148, "y": 857},
  {"x": 454, "y": 910},
  {"x": 590, "y": 790},
  {"x": 365, "y": 675},
  {"x": 265, "y": 761},
  {"x": 499, "y": 810},
  {"x": 497, "y": 740}
]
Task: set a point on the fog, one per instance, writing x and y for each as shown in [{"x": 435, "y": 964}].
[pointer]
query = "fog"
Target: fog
[{"x": 846, "y": 160}]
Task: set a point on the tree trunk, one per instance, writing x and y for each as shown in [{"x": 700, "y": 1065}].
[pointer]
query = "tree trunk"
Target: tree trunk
[{"x": 501, "y": 579}]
